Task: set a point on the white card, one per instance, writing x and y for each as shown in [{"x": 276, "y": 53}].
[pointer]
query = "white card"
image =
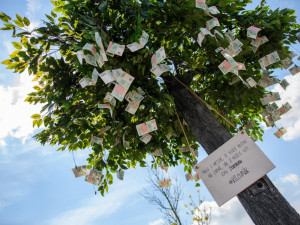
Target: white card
[{"x": 233, "y": 167}]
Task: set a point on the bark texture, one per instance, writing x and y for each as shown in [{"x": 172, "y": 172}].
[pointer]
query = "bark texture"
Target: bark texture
[{"x": 262, "y": 200}]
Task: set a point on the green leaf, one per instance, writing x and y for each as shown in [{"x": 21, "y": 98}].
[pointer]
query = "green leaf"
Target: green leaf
[
  {"x": 4, "y": 17},
  {"x": 26, "y": 21},
  {"x": 36, "y": 88},
  {"x": 36, "y": 116},
  {"x": 61, "y": 148},
  {"x": 55, "y": 3},
  {"x": 9, "y": 26},
  {"x": 33, "y": 40},
  {"x": 58, "y": 9},
  {"x": 11, "y": 66},
  {"x": 27, "y": 99},
  {"x": 7, "y": 62},
  {"x": 123, "y": 167},
  {"x": 17, "y": 45},
  {"x": 24, "y": 39},
  {"x": 53, "y": 14},
  {"x": 50, "y": 18},
  {"x": 39, "y": 123},
  {"x": 14, "y": 54},
  {"x": 18, "y": 23},
  {"x": 109, "y": 176},
  {"x": 89, "y": 167},
  {"x": 19, "y": 18}
]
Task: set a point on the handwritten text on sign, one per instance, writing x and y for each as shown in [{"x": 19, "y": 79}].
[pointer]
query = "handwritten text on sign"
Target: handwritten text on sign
[{"x": 233, "y": 167}]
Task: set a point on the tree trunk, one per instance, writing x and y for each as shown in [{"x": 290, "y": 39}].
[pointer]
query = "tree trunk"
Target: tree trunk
[{"x": 262, "y": 200}]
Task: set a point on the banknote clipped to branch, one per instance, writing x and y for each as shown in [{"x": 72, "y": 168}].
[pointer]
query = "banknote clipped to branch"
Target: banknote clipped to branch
[{"x": 101, "y": 71}]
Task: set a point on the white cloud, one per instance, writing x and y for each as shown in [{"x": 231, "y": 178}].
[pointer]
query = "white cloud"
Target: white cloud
[
  {"x": 157, "y": 222},
  {"x": 96, "y": 207},
  {"x": 230, "y": 213},
  {"x": 84, "y": 215},
  {"x": 290, "y": 178},
  {"x": 33, "y": 6},
  {"x": 33, "y": 10},
  {"x": 291, "y": 120},
  {"x": 15, "y": 114}
]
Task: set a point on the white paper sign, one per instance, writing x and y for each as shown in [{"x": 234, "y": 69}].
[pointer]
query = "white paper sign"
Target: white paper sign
[{"x": 233, "y": 167}]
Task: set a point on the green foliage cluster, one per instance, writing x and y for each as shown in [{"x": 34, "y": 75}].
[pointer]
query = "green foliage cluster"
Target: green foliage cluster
[
  {"x": 201, "y": 214},
  {"x": 70, "y": 114}
]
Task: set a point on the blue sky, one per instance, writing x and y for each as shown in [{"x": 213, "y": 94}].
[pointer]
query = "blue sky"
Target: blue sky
[{"x": 38, "y": 187}]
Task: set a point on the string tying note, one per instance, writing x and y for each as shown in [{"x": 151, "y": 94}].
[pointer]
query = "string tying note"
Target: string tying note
[{"x": 198, "y": 97}]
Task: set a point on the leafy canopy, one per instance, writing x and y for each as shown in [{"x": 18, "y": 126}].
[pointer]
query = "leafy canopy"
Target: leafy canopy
[{"x": 70, "y": 113}]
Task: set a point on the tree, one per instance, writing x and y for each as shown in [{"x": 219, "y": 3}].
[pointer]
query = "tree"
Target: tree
[
  {"x": 71, "y": 116},
  {"x": 167, "y": 200}
]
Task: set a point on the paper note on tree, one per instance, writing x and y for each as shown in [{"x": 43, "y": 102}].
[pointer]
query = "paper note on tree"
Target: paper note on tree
[
  {"x": 158, "y": 57},
  {"x": 188, "y": 177},
  {"x": 115, "y": 49},
  {"x": 80, "y": 56},
  {"x": 225, "y": 67},
  {"x": 125, "y": 80},
  {"x": 95, "y": 75},
  {"x": 269, "y": 59},
  {"x": 106, "y": 76},
  {"x": 119, "y": 92},
  {"x": 201, "y": 4},
  {"x": 100, "y": 44},
  {"x": 104, "y": 106},
  {"x": 94, "y": 177},
  {"x": 252, "y": 32},
  {"x": 146, "y": 138},
  {"x": 120, "y": 174},
  {"x": 116, "y": 73},
  {"x": 210, "y": 24},
  {"x": 90, "y": 59},
  {"x": 85, "y": 82},
  {"x": 294, "y": 70},
  {"x": 159, "y": 69},
  {"x": 80, "y": 171},
  {"x": 251, "y": 82},
  {"x": 280, "y": 132},
  {"x": 213, "y": 10},
  {"x": 96, "y": 140},
  {"x": 164, "y": 183},
  {"x": 233, "y": 167},
  {"x": 90, "y": 48},
  {"x": 132, "y": 107},
  {"x": 109, "y": 98},
  {"x": 133, "y": 47},
  {"x": 145, "y": 128},
  {"x": 144, "y": 38},
  {"x": 286, "y": 63}
]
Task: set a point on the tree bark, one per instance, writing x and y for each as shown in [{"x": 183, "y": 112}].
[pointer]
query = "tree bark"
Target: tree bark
[{"x": 262, "y": 200}]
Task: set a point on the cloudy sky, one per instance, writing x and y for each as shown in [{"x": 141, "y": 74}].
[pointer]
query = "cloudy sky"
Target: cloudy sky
[{"x": 38, "y": 187}]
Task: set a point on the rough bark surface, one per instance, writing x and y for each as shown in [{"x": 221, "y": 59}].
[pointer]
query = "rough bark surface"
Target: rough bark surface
[{"x": 262, "y": 200}]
